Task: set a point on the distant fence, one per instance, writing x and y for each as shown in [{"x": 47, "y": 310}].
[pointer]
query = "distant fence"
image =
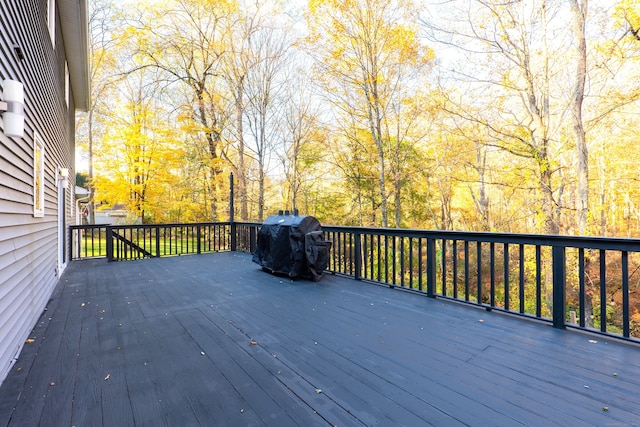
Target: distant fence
[{"x": 580, "y": 282}]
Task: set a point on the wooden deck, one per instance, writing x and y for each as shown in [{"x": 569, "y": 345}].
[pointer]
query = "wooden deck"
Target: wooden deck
[{"x": 212, "y": 340}]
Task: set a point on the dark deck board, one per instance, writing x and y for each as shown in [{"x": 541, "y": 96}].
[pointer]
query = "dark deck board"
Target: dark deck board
[{"x": 213, "y": 340}]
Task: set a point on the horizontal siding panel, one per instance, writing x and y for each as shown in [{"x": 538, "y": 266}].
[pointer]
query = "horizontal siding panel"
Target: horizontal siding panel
[
  {"x": 17, "y": 322},
  {"x": 16, "y": 200},
  {"x": 24, "y": 188},
  {"x": 20, "y": 274},
  {"x": 12, "y": 219},
  {"x": 28, "y": 233},
  {"x": 16, "y": 168},
  {"x": 17, "y": 152},
  {"x": 7, "y": 260}
]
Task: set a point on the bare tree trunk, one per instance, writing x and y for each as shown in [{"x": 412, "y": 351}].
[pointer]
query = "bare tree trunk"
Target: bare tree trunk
[
  {"x": 578, "y": 17},
  {"x": 551, "y": 219},
  {"x": 241, "y": 172},
  {"x": 91, "y": 209}
]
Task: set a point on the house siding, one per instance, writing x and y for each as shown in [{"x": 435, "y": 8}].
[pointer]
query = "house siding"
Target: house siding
[{"x": 29, "y": 245}]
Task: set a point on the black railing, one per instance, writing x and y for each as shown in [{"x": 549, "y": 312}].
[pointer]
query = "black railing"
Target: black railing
[
  {"x": 129, "y": 242},
  {"x": 579, "y": 282},
  {"x": 582, "y": 282}
]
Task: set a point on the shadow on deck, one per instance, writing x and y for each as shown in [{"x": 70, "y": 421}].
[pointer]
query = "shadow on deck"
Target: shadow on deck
[{"x": 213, "y": 340}]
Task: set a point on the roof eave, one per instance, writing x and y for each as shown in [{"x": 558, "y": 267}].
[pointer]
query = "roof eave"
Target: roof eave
[{"x": 74, "y": 19}]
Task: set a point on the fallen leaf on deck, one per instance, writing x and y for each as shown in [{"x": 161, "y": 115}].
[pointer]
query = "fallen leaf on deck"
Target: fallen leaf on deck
[
  {"x": 30, "y": 341},
  {"x": 107, "y": 377},
  {"x": 252, "y": 342}
]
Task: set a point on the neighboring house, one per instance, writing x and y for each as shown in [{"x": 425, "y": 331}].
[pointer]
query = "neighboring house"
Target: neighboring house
[
  {"x": 44, "y": 46},
  {"x": 116, "y": 215}
]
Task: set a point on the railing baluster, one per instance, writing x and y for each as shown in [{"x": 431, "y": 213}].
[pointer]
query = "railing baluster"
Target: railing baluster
[
  {"x": 401, "y": 261},
  {"x": 492, "y": 269},
  {"x": 411, "y": 263},
  {"x": 443, "y": 261},
  {"x": 379, "y": 257},
  {"x": 603, "y": 290},
  {"x": 479, "y": 266},
  {"x": 582, "y": 291},
  {"x": 386, "y": 258},
  {"x": 466, "y": 270},
  {"x": 538, "y": 281},
  {"x": 358, "y": 256},
  {"x": 521, "y": 279},
  {"x": 625, "y": 294},
  {"x": 394, "y": 251},
  {"x": 454, "y": 257},
  {"x": 506, "y": 276}
]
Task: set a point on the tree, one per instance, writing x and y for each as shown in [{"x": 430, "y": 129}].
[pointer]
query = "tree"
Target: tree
[
  {"x": 303, "y": 136},
  {"x": 367, "y": 52},
  {"x": 139, "y": 149},
  {"x": 578, "y": 18},
  {"x": 186, "y": 40},
  {"x": 103, "y": 50},
  {"x": 511, "y": 80},
  {"x": 269, "y": 48}
]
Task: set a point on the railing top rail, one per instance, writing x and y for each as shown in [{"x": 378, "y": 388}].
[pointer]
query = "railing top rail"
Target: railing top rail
[
  {"x": 133, "y": 226},
  {"x": 587, "y": 242}
]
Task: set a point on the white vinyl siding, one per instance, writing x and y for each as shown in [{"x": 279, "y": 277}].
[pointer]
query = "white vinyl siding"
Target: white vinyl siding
[{"x": 29, "y": 223}]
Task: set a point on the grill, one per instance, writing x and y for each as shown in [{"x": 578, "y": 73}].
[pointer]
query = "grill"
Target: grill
[{"x": 292, "y": 245}]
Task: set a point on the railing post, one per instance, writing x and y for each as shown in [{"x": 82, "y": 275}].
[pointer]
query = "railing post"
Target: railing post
[
  {"x": 199, "y": 238},
  {"x": 158, "y": 241},
  {"x": 71, "y": 239},
  {"x": 232, "y": 224},
  {"x": 109, "y": 237},
  {"x": 431, "y": 267},
  {"x": 559, "y": 282},
  {"x": 358, "y": 256},
  {"x": 252, "y": 239}
]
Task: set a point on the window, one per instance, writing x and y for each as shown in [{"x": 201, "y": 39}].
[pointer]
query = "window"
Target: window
[
  {"x": 51, "y": 20},
  {"x": 38, "y": 177}
]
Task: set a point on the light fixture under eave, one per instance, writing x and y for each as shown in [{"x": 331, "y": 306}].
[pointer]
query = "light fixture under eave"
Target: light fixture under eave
[
  {"x": 12, "y": 108},
  {"x": 63, "y": 176}
]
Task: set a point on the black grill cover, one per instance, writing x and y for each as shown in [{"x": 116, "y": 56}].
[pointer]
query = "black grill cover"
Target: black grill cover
[{"x": 292, "y": 245}]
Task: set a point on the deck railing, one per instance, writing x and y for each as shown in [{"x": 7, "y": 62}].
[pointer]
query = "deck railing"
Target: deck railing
[
  {"x": 579, "y": 282},
  {"x": 129, "y": 242}
]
